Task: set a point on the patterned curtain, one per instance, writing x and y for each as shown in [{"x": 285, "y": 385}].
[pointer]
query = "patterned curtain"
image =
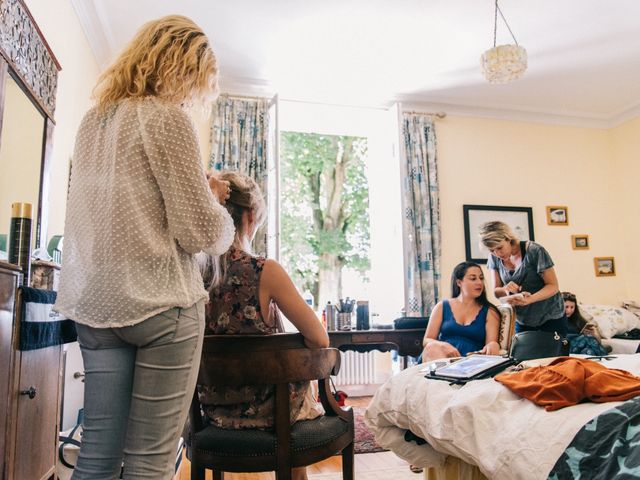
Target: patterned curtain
[
  {"x": 239, "y": 142},
  {"x": 421, "y": 219}
]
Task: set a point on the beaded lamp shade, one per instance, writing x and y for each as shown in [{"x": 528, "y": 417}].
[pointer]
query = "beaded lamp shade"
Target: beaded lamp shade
[{"x": 503, "y": 63}]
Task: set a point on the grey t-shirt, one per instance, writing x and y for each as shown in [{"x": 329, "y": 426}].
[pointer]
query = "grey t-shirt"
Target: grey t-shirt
[{"x": 529, "y": 276}]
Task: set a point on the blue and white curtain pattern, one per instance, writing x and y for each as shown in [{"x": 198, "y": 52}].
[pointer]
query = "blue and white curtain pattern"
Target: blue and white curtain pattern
[
  {"x": 421, "y": 215},
  {"x": 239, "y": 142}
]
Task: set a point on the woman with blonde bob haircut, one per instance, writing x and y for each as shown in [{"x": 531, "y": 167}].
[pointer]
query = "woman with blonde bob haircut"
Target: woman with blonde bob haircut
[
  {"x": 523, "y": 274},
  {"x": 129, "y": 277}
]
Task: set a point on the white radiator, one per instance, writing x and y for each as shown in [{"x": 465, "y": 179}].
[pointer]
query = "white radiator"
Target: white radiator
[{"x": 357, "y": 369}]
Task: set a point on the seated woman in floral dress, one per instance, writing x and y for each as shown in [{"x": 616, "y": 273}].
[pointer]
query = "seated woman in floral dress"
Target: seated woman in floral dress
[{"x": 246, "y": 294}]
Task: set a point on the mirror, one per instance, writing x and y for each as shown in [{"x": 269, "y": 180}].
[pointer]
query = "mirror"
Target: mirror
[{"x": 21, "y": 143}]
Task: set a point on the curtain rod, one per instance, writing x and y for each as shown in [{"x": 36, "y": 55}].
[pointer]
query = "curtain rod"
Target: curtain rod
[
  {"x": 243, "y": 97},
  {"x": 432, "y": 114}
]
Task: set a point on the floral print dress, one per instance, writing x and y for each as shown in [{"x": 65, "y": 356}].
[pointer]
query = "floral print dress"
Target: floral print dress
[{"x": 234, "y": 309}]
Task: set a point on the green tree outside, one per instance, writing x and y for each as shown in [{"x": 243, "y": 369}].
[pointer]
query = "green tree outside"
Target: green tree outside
[{"x": 324, "y": 211}]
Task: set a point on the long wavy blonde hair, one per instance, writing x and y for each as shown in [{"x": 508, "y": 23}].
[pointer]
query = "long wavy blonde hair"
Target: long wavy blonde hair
[{"x": 169, "y": 58}]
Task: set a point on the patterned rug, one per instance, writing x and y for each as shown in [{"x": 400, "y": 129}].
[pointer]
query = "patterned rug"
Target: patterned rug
[{"x": 364, "y": 440}]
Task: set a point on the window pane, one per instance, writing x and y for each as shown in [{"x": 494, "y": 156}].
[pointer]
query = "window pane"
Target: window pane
[
  {"x": 325, "y": 214},
  {"x": 383, "y": 283}
]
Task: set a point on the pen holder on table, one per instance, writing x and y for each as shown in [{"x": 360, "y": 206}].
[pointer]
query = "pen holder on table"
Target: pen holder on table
[{"x": 344, "y": 320}]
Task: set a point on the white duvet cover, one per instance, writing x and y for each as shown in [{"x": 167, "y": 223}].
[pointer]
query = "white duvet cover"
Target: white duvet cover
[{"x": 482, "y": 423}]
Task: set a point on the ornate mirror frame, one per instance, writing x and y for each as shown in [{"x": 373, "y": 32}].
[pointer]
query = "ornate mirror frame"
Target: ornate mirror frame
[{"x": 26, "y": 56}]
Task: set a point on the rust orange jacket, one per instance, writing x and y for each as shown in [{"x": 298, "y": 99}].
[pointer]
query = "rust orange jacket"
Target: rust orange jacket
[{"x": 568, "y": 380}]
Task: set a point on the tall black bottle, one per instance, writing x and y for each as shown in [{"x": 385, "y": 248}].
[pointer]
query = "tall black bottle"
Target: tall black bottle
[{"x": 20, "y": 238}]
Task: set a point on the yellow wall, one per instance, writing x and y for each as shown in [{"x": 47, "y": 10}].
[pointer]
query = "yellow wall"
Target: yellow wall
[
  {"x": 20, "y": 154},
  {"x": 497, "y": 162},
  {"x": 626, "y": 154},
  {"x": 61, "y": 28},
  {"x": 202, "y": 121}
]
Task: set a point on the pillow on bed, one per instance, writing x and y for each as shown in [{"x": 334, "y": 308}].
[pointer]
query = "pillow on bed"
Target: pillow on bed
[
  {"x": 611, "y": 320},
  {"x": 632, "y": 306}
]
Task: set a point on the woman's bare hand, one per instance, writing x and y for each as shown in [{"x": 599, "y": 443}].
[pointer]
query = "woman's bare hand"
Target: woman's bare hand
[
  {"x": 220, "y": 188},
  {"x": 437, "y": 349},
  {"x": 491, "y": 348},
  {"x": 512, "y": 287},
  {"x": 519, "y": 300}
]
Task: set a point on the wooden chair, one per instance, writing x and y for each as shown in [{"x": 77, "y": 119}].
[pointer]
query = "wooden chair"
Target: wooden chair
[
  {"x": 280, "y": 359},
  {"x": 507, "y": 327}
]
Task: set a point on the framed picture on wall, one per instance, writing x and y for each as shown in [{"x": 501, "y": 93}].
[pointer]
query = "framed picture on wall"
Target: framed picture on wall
[
  {"x": 520, "y": 219},
  {"x": 605, "y": 266},
  {"x": 557, "y": 215},
  {"x": 580, "y": 242}
]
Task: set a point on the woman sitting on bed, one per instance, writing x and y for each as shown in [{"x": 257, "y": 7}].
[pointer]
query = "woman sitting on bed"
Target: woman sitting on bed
[
  {"x": 467, "y": 322},
  {"x": 583, "y": 336}
]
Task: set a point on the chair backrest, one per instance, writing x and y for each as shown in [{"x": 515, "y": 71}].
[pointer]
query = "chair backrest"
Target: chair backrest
[
  {"x": 507, "y": 326},
  {"x": 279, "y": 359},
  {"x": 235, "y": 360}
]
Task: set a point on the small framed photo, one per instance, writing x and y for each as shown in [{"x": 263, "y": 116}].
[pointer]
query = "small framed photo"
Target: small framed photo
[
  {"x": 557, "y": 215},
  {"x": 605, "y": 266},
  {"x": 580, "y": 242}
]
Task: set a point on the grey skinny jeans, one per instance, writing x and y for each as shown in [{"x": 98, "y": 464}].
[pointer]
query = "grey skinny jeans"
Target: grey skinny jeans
[{"x": 139, "y": 382}]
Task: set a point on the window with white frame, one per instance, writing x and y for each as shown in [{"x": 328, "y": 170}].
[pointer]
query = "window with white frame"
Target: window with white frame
[{"x": 335, "y": 203}]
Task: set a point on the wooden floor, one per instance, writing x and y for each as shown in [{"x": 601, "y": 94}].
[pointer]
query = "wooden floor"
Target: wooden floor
[{"x": 364, "y": 462}]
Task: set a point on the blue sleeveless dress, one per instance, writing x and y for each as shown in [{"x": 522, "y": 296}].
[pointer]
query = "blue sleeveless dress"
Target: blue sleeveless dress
[{"x": 466, "y": 338}]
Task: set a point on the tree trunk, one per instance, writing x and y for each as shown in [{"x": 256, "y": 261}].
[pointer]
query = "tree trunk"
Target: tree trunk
[
  {"x": 329, "y": 279},
  {"x": 332, "y": 218}
]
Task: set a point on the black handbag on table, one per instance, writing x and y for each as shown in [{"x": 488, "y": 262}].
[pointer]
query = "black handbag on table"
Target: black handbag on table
[
  {"x": 538, "y": 344},
  {"x": 410, "y": 322}
]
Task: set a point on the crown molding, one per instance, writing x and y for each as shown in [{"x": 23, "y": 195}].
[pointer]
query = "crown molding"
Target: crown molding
[
  {"x": 512, "y": 114},
  {"x": 624, "y": 116},
  {"x": 258, "y": 87},
  {"x": 95, "y": 29},
  {"x": 247, "y": 86}
]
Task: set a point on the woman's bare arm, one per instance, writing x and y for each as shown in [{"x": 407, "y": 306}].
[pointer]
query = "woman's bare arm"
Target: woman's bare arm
[
  {"x": 276, "y": 284},
  {"x": 492, "y": 327}
]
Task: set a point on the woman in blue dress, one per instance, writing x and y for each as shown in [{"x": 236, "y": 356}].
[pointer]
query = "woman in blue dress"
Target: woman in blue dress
[{"x": 467, "y": 322}]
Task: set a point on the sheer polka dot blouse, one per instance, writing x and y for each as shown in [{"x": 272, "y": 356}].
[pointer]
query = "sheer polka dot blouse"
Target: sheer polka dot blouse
[{"x": 139, "y": 207}]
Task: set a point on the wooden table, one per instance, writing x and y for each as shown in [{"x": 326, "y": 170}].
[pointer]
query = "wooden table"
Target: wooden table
[{"x": 406, "y": 341}]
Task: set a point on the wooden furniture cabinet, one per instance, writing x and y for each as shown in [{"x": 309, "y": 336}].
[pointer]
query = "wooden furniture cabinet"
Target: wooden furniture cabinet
[{"x": 30, "y": 392}]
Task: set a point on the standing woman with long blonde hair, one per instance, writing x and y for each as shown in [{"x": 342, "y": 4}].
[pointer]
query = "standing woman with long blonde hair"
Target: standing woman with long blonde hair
[{"x": 139, "y": 209}]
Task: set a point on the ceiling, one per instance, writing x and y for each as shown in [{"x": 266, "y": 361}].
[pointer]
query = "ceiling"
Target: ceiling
[{"x": 584, "y": 55}]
